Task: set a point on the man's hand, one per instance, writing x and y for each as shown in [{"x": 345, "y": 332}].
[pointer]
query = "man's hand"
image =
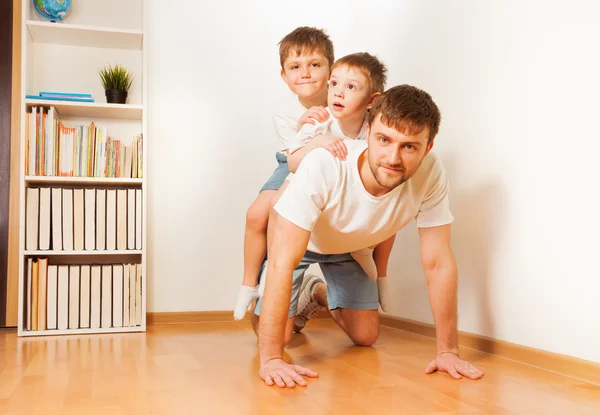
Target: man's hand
[
  {"x": 277, "y": 372},
  {"x": 335, "y": 145},
  {"x": 454, "y": 366},
  {"x": 312, "y": 116}
]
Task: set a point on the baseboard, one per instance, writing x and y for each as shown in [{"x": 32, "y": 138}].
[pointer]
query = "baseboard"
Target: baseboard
[
  {"x": 190, "y": 317},
  {"x": 201, "y": 317},
  {"x": 579, "y": 369}
]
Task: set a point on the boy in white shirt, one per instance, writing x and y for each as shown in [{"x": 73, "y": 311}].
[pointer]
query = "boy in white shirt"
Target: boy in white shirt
[
  {"x": 356, "y": 81},
  {"x": 306, "y": 55}
]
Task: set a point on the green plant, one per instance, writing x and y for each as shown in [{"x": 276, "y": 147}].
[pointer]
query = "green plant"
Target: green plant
[{"x": 116, "y": 77}]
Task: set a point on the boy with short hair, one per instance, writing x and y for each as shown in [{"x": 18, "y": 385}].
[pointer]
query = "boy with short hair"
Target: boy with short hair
[
  {"x": 355, "y": 83},
  {"x": 306, "y": 55}
]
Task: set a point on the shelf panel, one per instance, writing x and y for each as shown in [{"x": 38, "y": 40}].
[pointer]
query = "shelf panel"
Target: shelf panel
[
  {"x": 80, "y": 180},
  {"x": 83, "y": 253},
  {"x": 91, "y": 109},
  {"x": 81, "y": 331},
  {"x": 81, "y": 35}
]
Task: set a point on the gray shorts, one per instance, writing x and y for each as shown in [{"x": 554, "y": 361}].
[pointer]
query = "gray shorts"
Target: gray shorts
[
  {"x": 279, "y": 174},
  {"x": 348, "y": 286}
]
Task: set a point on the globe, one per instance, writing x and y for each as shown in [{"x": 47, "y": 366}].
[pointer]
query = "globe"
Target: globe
[{"x": 52, "y": 10}]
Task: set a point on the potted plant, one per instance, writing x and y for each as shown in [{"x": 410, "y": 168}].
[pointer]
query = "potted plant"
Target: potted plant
[{"x": 116, "y": 82}]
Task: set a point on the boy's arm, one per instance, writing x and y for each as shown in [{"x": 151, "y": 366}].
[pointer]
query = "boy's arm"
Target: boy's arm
[
  {"x": 313, "y": 115},
  {"x": 335, "y": 145},
  {"x": 287, "y": 128}
]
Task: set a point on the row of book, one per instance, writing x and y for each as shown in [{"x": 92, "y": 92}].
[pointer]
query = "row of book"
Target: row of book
[
  {"x": 53, "y": 149},
  {"x": 61, "y": 297},
  {"x": 64, "y": 219}
]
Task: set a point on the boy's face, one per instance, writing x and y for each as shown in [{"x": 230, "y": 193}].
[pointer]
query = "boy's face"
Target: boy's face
[
  {"x": 306, "y": 74},
  {"x": 349, "y": 93}
]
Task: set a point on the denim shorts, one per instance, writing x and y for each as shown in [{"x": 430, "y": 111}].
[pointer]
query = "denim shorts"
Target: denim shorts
[
  {"x": 279, "y": 174},
  {"x": 348, "y": 286}
]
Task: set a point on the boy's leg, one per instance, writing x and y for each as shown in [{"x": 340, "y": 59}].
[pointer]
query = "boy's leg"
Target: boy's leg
[
  {"x": 351, "y": 297},
  {"x": 255, "y": 238}
]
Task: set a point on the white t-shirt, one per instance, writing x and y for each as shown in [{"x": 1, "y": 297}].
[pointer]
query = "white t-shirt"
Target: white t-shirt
[
  {"x": 331, "y": 126},
  {"x": 327, "y": 197},
  {"x": 285, "y": 120}
]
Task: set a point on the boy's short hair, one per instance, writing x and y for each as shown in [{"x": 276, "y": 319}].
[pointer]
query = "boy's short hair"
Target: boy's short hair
[
  {"x": 305, "y": 40},
  {"x": 371, "y": 67},
  {"x": 407, "y": 109}
]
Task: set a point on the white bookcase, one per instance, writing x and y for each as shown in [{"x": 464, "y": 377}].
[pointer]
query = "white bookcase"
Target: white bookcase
[{"x": 65, "y": 57}]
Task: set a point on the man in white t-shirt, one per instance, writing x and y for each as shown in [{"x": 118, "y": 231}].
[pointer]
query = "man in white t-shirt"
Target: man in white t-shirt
[{"x": 333, "y": 207}]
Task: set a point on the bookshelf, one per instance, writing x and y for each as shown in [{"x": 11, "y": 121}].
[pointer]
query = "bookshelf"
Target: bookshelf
[{"x": 65, "y": 57}]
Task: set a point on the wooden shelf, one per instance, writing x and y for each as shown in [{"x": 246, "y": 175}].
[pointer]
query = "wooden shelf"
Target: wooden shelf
[
  {"x": 80, "y": 331},
  {"x": 82, "y": 253},
  {"x": 81, "y": 180},
  {"x": 80, "y": 35},
  {"x": 90, "y": 109}
]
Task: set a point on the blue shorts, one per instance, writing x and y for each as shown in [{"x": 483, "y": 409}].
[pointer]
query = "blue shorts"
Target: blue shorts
[
  {"x": 279, "y": 174},
  {"x": 348, "y": 286}
]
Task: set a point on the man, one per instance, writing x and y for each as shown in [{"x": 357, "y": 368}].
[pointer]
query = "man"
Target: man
[{"x": 334, "y": 207}]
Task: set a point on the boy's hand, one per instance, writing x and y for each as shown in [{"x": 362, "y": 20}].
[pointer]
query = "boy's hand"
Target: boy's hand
[
  {"x": 335, "y": 145},
  {"x": 312, "y": 116}
]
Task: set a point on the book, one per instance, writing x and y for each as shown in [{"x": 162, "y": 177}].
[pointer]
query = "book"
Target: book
[{"x": 63, "y": 98}]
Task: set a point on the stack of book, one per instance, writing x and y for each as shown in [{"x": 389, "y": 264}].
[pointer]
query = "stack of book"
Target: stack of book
[{"x": 62, "y": 96}]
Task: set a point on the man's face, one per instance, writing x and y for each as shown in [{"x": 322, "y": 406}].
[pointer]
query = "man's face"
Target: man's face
[{"x": 394, "y": 157}]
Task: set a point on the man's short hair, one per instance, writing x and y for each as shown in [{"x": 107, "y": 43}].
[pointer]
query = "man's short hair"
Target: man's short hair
[
  {"x": 306, "y": 40},
  {"x": 407, "y": 109},
  {"x": 371, "y": 67}
]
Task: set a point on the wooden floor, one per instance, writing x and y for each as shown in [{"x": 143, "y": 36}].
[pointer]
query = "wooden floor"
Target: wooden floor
[{"x": 211, "y": 368}]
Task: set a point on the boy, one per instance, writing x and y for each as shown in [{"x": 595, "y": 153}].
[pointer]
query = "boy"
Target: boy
[
  {"x": 356, "y": 81},
  {"x": 306, "y": 55}
]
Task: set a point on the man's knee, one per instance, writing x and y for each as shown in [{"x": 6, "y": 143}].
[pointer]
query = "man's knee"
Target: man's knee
[{"x": 365, "y": 336}]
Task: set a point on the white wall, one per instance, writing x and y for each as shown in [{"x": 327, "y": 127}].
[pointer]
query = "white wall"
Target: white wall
[{"x": 517, "y": 83}]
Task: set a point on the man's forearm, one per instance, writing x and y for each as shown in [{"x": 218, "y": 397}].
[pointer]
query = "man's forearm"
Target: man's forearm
[
  {"x": 442, "y": 284},
  {"x": 274, "y": 311}
]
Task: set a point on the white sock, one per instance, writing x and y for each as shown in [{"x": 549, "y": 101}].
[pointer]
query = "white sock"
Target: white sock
[
  {"x": 245, "y": 297},
  {"x": 384, "y": 294}
]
